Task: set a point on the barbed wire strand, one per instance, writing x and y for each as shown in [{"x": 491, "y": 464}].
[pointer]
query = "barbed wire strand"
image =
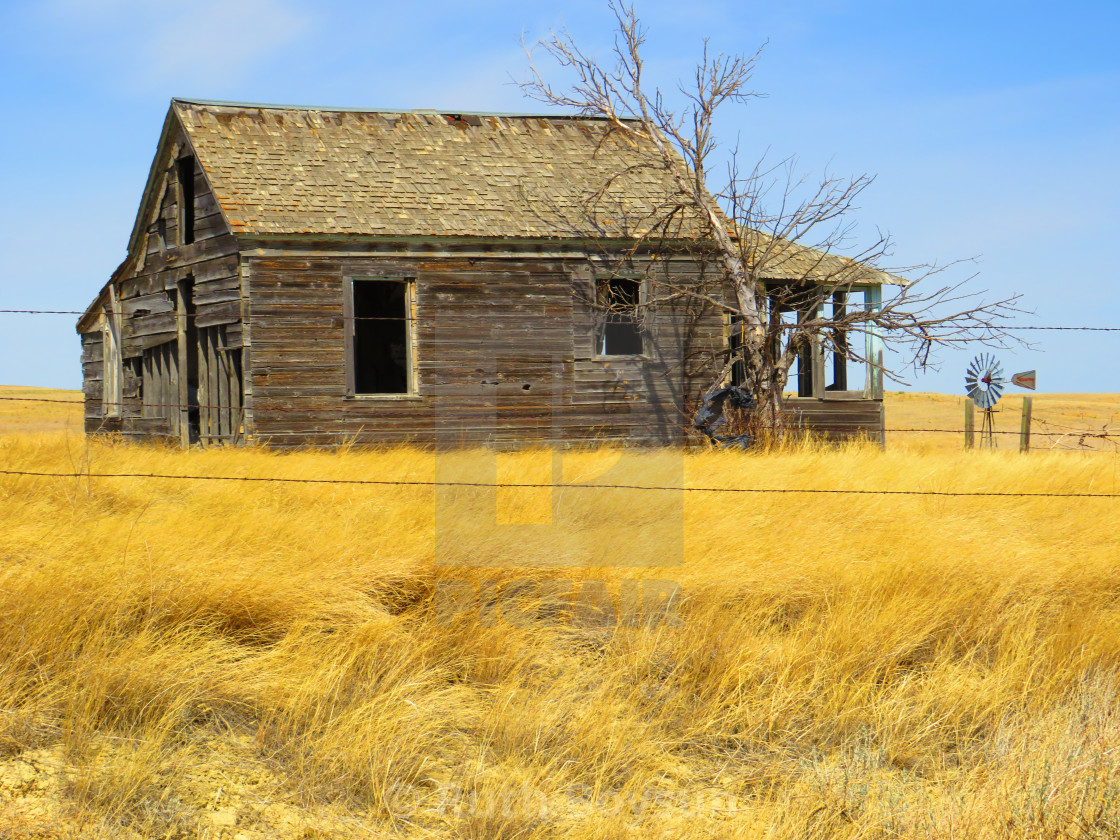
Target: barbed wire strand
[
  {"x": 333, "y": 317},
  {"x": 541, "y": 486},
  {"x": 1072, "y": 431}
]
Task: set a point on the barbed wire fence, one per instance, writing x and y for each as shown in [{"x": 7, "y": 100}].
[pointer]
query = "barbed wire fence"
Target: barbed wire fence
[
  {"x": 1061, "y": 437},
  {"x": 1060, "y": 431},
  {"x": 559, "y": 485}
]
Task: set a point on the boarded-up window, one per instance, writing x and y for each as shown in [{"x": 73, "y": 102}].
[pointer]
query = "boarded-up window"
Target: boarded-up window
[
  {"x": 219, "y": 386},
  {"x": 160, "y": 388},
  {"x": 380, "y": 351},
  {"x": 621, "y": 330}
]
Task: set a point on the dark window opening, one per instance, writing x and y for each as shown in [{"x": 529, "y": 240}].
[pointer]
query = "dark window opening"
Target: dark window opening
[
  {"x": 622, "y": 329},
  {"x": 804, "y": 358},
  {"x": 380, "y": 337},
  {"x": 734, "y": 344},
  {"x": 186, "y": 200},
  {"x": 839, "y": 344},
  {"x": 188, "y": 331},
  {"x": 799, "y": 370}
]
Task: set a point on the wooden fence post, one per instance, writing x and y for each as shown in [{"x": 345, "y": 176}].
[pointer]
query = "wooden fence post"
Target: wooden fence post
[
  {"x": 969, "y": 423},
  {"x": 1025, "y": 427}
]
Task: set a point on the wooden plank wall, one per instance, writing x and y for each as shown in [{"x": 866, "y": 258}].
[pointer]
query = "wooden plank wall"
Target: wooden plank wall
[
  {"x": 219, "y": 394},
  {"x": 502, "y": 357},
  {"x": 150, "y": 328},
  {"x": 161, "y": 387},
  {"x": 92, "y": 364},
  {"x": 653, "y": 399},
  {"x": 838, "y": 419}
]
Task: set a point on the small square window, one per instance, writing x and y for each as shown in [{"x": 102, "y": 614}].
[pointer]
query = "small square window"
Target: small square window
[{"x": 621, "y": 331}]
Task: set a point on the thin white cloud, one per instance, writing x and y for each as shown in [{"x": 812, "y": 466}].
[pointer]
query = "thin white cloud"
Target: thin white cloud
[
  {"x": 93, "y": 9},
  {"x": 148, "y": 45},
  {"x": 218, "y": 38}
]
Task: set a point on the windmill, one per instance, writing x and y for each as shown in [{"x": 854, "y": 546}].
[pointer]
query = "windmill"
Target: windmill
[{"x": 985, "y": 382}]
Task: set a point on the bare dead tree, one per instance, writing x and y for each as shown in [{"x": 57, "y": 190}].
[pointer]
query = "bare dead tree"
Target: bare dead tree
[{"x": 773, "y": 241}]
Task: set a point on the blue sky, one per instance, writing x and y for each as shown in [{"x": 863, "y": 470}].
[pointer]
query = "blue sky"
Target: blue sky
[{"x": 993, "y": 129}]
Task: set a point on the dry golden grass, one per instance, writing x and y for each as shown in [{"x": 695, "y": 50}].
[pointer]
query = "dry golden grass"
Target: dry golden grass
[
  {"x": 20, "y": 413},
  {"x": 224, "y": 659},
  {"x": 1063, "y": 422}
]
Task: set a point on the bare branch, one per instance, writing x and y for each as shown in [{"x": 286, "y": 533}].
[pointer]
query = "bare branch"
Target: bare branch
[{"x": 776, "y": 244}]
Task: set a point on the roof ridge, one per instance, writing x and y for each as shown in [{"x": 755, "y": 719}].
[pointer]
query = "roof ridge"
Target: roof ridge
[{"x": 218, "y": 103}]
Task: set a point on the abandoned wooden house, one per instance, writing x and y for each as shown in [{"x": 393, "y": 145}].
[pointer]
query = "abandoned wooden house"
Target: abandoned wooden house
[{"x": 316, "y": 276}]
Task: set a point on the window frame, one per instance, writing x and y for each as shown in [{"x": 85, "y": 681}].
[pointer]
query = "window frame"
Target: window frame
[
  {"x": 602, "y": 315},
  {"x": 734, "y": 330},
  {"x": 411, "y": 378},
  {"x": 112, "y": 364},
  {"x": 815, "y": 375},
  {"x": 112, "y": 358}
]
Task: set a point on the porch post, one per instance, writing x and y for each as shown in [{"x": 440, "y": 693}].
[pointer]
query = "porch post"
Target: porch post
[{"x": 874, "y": 298}]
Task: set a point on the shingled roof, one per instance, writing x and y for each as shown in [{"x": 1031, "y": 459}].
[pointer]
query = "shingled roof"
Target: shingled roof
[{"x": 289, "y": 170}]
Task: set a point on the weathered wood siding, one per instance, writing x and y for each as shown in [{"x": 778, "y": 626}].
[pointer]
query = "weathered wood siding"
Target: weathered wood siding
[
  {"x": 92, "y": 379},
  {"x": 837, "y": 419},
  {"x": 147, "y": 295},
  {"x": 504, "y": 353}
]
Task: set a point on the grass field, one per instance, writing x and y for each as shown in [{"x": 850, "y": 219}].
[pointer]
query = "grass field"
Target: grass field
[{"x": 205, "y": 659}]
